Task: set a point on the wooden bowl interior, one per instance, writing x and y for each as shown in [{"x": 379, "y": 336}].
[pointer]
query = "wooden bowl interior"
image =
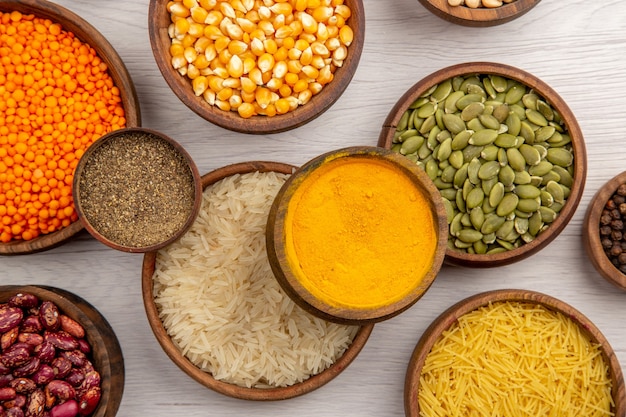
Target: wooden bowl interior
[
  {"x": 580, "y": 154},
  {"x": 106, "y": 352},
  {"x": 160, "y": 41},
  {"x": 290, "y": 282},
  {"x": 451, "y": 315},
  {"x": 179, "y": 148},
  {"x": 206, "y": 379},
  {"x": 480, "y": 17},
  {"x": 591, "y": 233},
  {"x": 121, "y": 77}
]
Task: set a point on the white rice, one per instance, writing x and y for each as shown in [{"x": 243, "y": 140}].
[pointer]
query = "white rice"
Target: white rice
[{"x": 221, "y": 304}]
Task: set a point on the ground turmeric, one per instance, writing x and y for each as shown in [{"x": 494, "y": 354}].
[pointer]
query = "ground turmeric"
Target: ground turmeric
[{"x": 360, "y": 234}]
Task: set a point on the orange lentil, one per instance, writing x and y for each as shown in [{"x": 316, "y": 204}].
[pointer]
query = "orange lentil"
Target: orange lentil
[{"x": 56, "y": 98}]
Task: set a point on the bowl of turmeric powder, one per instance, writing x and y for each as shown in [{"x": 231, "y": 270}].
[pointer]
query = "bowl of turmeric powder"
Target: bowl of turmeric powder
[
  {"x": 514, "y": 349},
  {"x": 63, "y": 75},
  {"x": 357, "y": 235},
  {"x": 256, "y": 68}
]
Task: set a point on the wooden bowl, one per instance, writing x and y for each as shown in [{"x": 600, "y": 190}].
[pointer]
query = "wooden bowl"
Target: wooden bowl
[
  {"x": 206, "y": 379},
  {"x": 480, "y": 17},
  {"x": 106, "y": 353},
  {"x": 591, "y": 233},
  {"x": 341, "y": 309},
  {"x": 449, "y": 317},
  {"x": 542, "y": 89},
  {"x": 88, "y": 34},
  {"x": 151, "y": 152},
  {"x": 159, "y": 19}
]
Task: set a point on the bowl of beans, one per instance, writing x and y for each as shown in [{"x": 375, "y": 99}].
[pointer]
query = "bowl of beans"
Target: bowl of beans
[
  {"x": 60, "y": 357},
  {"x": 513, "y": 349},
  {"x": 137, "y": 190},
  {"x": 505, "y": 152},
  {"x": 257, "y": 67},
  {"x": 479, "y": 13},
  {"x": 59, "y": 72},
  {"x": 217, "y": 310},
  {"x": 340, "y": 225},
  {"x": 604, "y": 237}
]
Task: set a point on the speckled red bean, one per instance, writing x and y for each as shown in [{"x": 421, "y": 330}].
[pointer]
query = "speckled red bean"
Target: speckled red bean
[
  {"x": 62, "y": 390},
  {"x": 24, "y": 300},
  {"x": 44, "y": 374},
  {"x": 67, "y": 409},
  {"x": 7, "y": 393},
  {"x": 36, "y": 404},
  {"x": 23, "y": 385},
  {"x": 46, "y": 352},
  {"x": 27, "y": 369},
  {"x": 61, "y": 340},
  {"x": 89, "y": 401},
  {"x": 9, "y": 317},
  {"x": 16, "y": 355},
  {"x": 33, "y": 339},
  {"x": 71, "y": 327},
  {"x": 8, "y": 338},
  {"x": 14, "y": 412},
  {"x": 49, "y": 316},
  {"x": 31, "y": 324}
]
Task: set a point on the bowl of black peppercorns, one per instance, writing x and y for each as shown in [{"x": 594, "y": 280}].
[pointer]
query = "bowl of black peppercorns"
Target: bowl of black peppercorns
[{"x": 604, "y": 235}]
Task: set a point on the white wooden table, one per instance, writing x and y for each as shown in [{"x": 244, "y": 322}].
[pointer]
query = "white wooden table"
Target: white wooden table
[{"x": 576, "y": 46}]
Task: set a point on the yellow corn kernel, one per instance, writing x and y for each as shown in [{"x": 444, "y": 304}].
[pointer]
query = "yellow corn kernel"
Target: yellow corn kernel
[
  {"x": 201, "y": 62},
  {"x": 270, "y": 110},
  {"x": 343, "y": 11},
  {"x": 267, "y": 27},
  {"x": 234, "y": 83},
  {"x": 237, "y": 47},
  {"x": 266, "y": 62},
  {"x": 278, "y": 22},
  {"x": 340, "y": 53},
  {"x": 199, "y": 84},
  {"x": 336, "y": 2},
  {"x": 253, "y": 16},
  {"x": 246, "y": 110},
  {"x": 222, "y": 105},
  {"x": 304, "y": 97},
  {"x": 213, "y": 32},
  {"x": 219, "y": 70},
  {"x": 257, "y": 47},
  {"x": 224, "y": 57},
  {"x": 301, "y": 5},
  {"x": 192, "y": 72},
  {"x": 179, "y": 61},
  {"x": 190, "y": 54},
  {"x": 322, "y": 13},
  {"x": 202, "y": 44},
  {"x": 322, "y": 32},
  {"x": 294, "y": 53},
  {"x": 293, "y": 102},
  {"x": 188, "y": 40},
  {"x": 210, "y": 53},
  {"x": 176, "y": 49},
  {"x": 284, "y": 90},
  {"x": 280, "y": 69},
  {"x": 214, "y": 18},
  {"x": 294, "y": 66},
  {"x": 199, "y": 14},
  {"x": 310, "y": 72},
  {"x": 190, "y": 3},
  {"x": 300, "y": 86},
  {"x": 248, "y": 64},
  {"x": 224, "y": 94},
  {"x": 307, "y": 56},
  {"x": 274, "y": 84},
  {"x": 291, "y": 78},
  {"x": 263, "y": 97},
  {"x": 246, "y": 25},
  {"x": 332, "y": 44},
  {"x": 325, "y": 76},
  {"x": 264, "y": 13},
  {"x": 208, "y": 4},
  {"x": 312, "y": 4},
  {"x": 181, "y": 27},
  {"x": 256, "y": 76},
  {"x": 318, "y": 62},
  {"x": 309, "y": 25},
  {"x": 227, "y": 10},
  {"x": 248, "y": 97},
  {"x": 270, "y": 46},
  {"x": 235, "y": 66},
  {"x": 234, "y": 31},
  {"x": 315, "y": 88},
  {"x": 209, "y": 96},
  {"x": 247, "y": 85},
  {"x": 320, "y": 49},
  {"x": 296, "y": 28},
  {"x": 248, "y": 4},
  {"x": 196, "y": 29},
  {"x": 235, "y": 101},
  {"x": 346, "y": 35},
  {"x": 283, "y": 32},
  {"x": 281, "y": 8},
  {"x": 266, "y": 76},
  {"x": 281, "y": 54},
  {"x": 238, "y": 6},
  {"x": 282, "y": 106},
  {"x": 182, "y": 71},
  {"x": 301, "y": 44},
  {"x": 337, "y": 20},
  {"x": 289, "y": 42},
  {"x": 221, "y": 43},
  {"x": 308, "y": 37},
  {"x": 215, "y": 83},
  {"x": 178, "y": 9},
  {"x": 206, "y": 71},
  {"x": 333, "y": 31}
]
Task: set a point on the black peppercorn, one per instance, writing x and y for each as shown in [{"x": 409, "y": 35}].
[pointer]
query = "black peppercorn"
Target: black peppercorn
[
  {"x": 612, "y": 233},
  {"x": 621, "y": 190}
]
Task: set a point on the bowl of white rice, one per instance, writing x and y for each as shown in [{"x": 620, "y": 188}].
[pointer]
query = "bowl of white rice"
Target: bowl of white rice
[{"x": 218, "y": 311}]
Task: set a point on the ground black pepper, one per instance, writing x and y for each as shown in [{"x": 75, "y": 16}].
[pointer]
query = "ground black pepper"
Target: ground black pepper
[
  {"x": 612, "y": 233},
  {"x": 136, "y": 189}
]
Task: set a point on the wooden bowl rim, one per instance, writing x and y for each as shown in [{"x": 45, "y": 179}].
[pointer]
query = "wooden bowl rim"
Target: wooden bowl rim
[
  {"x": 159, "y": 136},
  {"x": 106, "y": 349},
  {"x": 258, "y": 125},
  {"x": 121, "y": 77},
  {"x": 479, "y": 17},
  {"x": 204, "y": 378},
  {"x": 291, "y": 284},
  {"x": 451, "y": 315},
  {"x": 459, "y": 258},
  {"x": 591, "y": 232}
]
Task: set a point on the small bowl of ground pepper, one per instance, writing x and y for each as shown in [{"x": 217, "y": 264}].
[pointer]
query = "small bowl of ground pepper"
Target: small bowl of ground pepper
[
  {"x": 504, "y": 150},
  {"x": 479, "y": 13},
  {"x": 137, "y": 190},
  {"x": 357, "y": 235},
  {"x": 604, "y": 235},
  {"x": 64, "y": 86}
]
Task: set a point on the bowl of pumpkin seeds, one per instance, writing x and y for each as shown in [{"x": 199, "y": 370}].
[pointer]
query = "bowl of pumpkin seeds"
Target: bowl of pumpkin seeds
[{"x": 504, "y": 150}]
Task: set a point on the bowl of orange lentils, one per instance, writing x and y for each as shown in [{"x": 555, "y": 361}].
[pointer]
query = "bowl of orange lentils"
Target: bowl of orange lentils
[
  {"x": 256, "y": 66},
  {"x": 62, "y": 86}
]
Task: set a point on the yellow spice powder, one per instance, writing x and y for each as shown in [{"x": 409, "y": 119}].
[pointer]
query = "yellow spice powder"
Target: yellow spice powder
[{"x": 360, "y": 234}]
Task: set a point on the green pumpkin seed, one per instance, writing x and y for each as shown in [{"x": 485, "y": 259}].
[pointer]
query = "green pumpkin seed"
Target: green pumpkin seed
[
  {"x": 469, "y": 81},
  {"x": 560, "y": 156},
  {"x": 443, "y": 135},
  {"x": 507, "y": 205},
  {"x": 477, "y": 217},
  {"x": 514, "y": 123},
  {"x": 522, "y": 177},
  {"x": 461, "y": 140},
  {"x": 502, "y": 158},
  {"x": 536, "y": 118},
  {"x": 449, "y": 210},
  {"x": 527, "y": 132},
  {"x": 506, "y": 140},
  {"x": 490, "y": 153},
  {"x": 456, "y": 159},
  {"x": 521, "y": 225},
  {"x": 450, "y": 103},
  {"x": 492, "y": 223},
  {"x": 489, "y": 89},
  {"x": 442, "y": 91},
  {"x": 471, "y": 152},
  {"x": 460, "y": 199},
  {"x": 508, "y": 246},
  {"x": 406, "y": 134},
  {"x": 432, "y": 169},
  {"x": 496, "y": 250},
  {"x": 447, "y": 175},
  {"x": 449, "y": 194},
  {"x": 564, "y": 175},
  {"x": 472, "y": 111},
  {"x": 467, "y": 187},
  {"x": 528, "y": 205},
  {"x": 428, "y": 124},
  {"x": 535, "y": 223},
  {"x": 403, "y": 123},
  {"x": 540, "y": 169},
  {"x": 459, "y": 244},
  {"x": 445, "y": 149},
  {"x": 440, "y": 184},
  {"x": 472, "y": 171},
  {"x": 500, "y": 84},
  {"x": 548, "y": 215},
  {"x": 475, "y": 198},
  {"x": 556, "y": 191},
  {"x": 505, "y": 229},
  {"x": 496, "y": 194},
  {"x": 506, "y": 175},
  {"x": 424, "y": 151},
  {"x": 489, "y": 238},
  {"x": 531, "y": 155},
  {"x": 515, "y": 94},
  {"x": 468, "y": 99},
  {"x": 536, "y": 180},
  {"x": 516, "y": 159},
  {"x": 530, "y": 100},
  {"x": 488, "y": 184},
  {"x": 546, "y": 198},
  {"x": 544, "y": 133},
  {"x": 476, "y": 89},
  {"x": 545, "y": 109},
  {"x": 418, "y": 103},
  {"x": 411, "y": 145},
  {"x": 431, "y": 140},
  {"x": 453, "y": 123},
  {"x": 483, "y": 137},
  {"x": 489, "y": 170},
  {"x": 475, "y": 125},
  {"x": 460, "y": 176},
  {"x": 480, "y": 247},
  {"x": 543, "y": 151},
  {"x": 501, "y": 112},
  {"x": 489, "y": 121},
  {"x": 527, "y": 191}
]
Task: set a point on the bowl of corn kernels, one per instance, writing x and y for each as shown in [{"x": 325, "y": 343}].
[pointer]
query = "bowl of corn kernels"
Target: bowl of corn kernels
[
  {"x": 257, "y": 67},
  {"x": 73, "y": 96},
  {"x": 479, "y": 13}
]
